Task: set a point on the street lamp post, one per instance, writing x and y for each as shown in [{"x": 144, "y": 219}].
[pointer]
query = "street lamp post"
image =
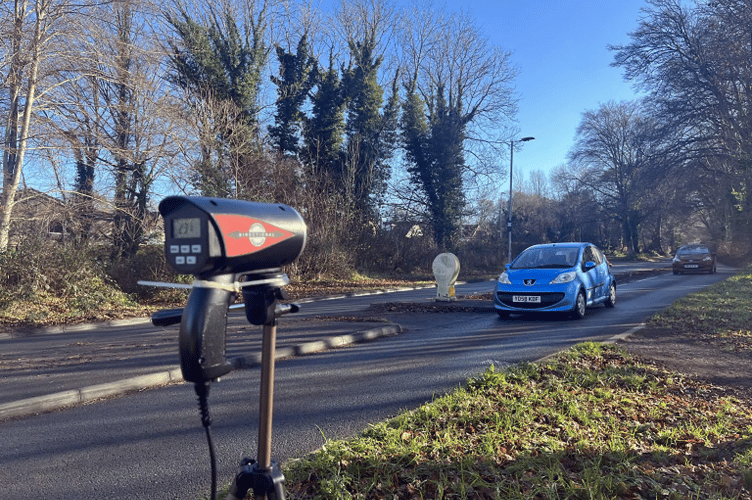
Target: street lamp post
[{"x": 509, "y": 212}]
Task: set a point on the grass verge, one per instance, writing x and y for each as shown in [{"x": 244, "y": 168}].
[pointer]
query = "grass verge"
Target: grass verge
[
  {"x": 720, "y": 315},
  {"x": 589, "y": 423}
]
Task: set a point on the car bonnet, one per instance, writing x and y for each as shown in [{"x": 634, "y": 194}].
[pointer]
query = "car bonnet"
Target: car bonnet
[{"x": 541, "y": 276}]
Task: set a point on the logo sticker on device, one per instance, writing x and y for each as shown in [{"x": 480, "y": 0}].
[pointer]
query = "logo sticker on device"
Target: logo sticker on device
[{"x": 244, "y": 235}]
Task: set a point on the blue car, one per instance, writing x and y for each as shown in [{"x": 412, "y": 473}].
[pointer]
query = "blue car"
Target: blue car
[{"x": 556, "y": 277}]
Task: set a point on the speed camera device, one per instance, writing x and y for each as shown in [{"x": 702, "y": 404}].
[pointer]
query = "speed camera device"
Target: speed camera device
[
  {"x": 225, "y": 244},
  {"x": 211, "y": 236},
  {"x": 232, "y": 248}
]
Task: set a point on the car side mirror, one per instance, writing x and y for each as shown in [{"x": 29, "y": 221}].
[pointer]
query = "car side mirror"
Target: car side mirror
[{"x": 589, "y": 265}]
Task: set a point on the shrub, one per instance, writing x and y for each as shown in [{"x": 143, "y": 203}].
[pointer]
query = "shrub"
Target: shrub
[
  {"x": 44, "y": 281},
  {"x": 148, "y": 264}
]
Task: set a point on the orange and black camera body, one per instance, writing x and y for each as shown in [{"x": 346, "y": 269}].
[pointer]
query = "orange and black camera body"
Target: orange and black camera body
[
  {"x": 225, "y": 243},
  {"x": 211, "y": 236}
]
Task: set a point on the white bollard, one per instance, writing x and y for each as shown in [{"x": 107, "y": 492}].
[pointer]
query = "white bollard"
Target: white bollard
[{"x": 446, "y": 268}]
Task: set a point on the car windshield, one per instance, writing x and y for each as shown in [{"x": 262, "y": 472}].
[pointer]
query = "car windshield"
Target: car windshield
[
  {"x": 692, "y": 250},
  {"x": 546, "y": 257}
]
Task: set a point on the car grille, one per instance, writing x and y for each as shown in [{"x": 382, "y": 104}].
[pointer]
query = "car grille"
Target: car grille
[{"x": 547, "y": 299}]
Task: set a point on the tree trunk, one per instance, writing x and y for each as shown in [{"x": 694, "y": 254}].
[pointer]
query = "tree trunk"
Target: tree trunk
[{"x": 16, "y": 144}]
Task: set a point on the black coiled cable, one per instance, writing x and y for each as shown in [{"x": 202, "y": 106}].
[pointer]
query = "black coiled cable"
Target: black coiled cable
[{"x": 202, "y": 391}]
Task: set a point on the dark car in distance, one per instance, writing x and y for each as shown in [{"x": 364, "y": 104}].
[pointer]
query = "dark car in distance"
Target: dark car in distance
[{"x": 695, "y": 258}]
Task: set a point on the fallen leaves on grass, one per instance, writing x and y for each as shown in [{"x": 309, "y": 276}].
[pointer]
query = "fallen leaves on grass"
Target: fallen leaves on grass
[
  {"x": 719, "y": 315},
  {"x": 590, "y": 423}
]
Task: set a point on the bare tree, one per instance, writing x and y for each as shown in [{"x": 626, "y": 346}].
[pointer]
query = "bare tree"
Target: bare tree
[
  {"x": 622, "y": 157},
  {"x": 696, "y": 64},
  {"x": 477, "y": 76},
  {"x": 33, "y": 48},
  {"x": 538, "y": 184},
  {"x": 115, "y": 116},
  {"x": 137, "y": 134}
]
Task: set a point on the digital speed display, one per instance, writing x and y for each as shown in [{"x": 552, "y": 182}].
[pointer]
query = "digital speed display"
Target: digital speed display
[{"x": 186, "y": 228}]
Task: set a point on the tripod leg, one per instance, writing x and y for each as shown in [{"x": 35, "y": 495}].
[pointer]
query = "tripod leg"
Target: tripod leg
[
  {"x": 266, "y": 402},
  {"x": 264, "y": 477}
]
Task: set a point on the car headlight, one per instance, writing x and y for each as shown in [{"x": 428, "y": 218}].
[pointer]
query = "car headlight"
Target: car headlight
[
  {"x": 504, "y": 279},
  {"x": 707, "y": 258},
  {"x": 564, "y": 278}
]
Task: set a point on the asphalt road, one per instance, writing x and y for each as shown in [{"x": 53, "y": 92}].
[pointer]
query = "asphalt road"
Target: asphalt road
[{"x": 151, "y": 445}]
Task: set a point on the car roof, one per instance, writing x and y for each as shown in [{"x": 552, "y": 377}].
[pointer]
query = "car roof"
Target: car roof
[{"x": 571, "y": 244}]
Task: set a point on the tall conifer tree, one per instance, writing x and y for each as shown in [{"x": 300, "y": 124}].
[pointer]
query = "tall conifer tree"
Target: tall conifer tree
[
  {"x": 297, "y": 77},
  {"x": 324, "y": 130},
  {"x": 220, "y": 68},
  {"x": 433, "y": 138},
  {"x": 366, "y": 166}
]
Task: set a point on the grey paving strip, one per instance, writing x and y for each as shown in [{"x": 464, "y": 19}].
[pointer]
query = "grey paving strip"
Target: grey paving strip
[{"x": 55, "y": 401}]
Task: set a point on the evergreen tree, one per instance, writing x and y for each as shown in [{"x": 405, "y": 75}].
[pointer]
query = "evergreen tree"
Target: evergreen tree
[
  {"x": 297, "y": 77},
  {"x": 465, "y": 84},
  {"x": 447, "y": 140},
  {"x": 415, "y": 137},
  {"x": 215, "y": 60},
  {"x": 324, "y": 130},
  {"x": 388, "y": 137},
  {"x": 220, "y": 70},
  {"x": 366, "y": 169},
  {"x": 433, "y": 139}
]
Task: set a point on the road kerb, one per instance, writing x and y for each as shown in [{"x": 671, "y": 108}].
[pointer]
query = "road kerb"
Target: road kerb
[
  {"x": 130, "y": 384},
  {"x": 55, "y": 401},
  {"x": 39, "y": 404},
  {"x": 310, "y": 347}
]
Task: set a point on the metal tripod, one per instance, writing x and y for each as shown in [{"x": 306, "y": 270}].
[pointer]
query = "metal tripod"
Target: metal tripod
[{"x": 263, "y": 476}]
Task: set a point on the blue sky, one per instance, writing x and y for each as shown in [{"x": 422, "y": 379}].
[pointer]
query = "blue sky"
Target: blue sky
[{"x": 560, "y": 47}]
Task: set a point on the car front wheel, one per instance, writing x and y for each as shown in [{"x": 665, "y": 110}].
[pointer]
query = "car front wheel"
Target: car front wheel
[
  {"x": 580, "y": 305},
  {"x": 611, "y": 300}
]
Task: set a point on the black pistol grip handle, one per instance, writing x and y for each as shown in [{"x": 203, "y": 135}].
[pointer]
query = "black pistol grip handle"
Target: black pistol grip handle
[{"x": 203, "y": 327}]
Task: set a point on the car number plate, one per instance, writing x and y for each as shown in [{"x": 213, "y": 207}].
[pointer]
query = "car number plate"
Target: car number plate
[
  {"x": 691, "y": 266},
  {"x": 526, "y": 298}
]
